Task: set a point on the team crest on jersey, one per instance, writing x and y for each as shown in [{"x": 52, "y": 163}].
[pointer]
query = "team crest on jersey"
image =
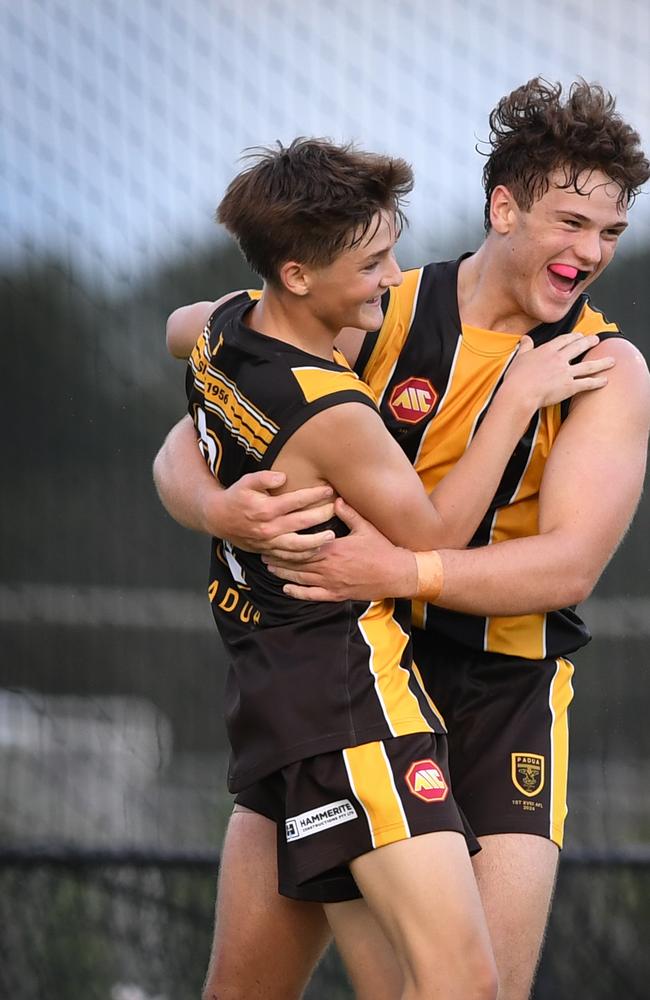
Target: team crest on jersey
[
  {"x": 413, "y": 400},
  {"x": 426, "y": 781},
  {"x": 528, "y": 773}
]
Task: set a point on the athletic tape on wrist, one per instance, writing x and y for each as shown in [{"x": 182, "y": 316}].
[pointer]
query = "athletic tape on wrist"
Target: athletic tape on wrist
[{"x": 430, "y": 577}]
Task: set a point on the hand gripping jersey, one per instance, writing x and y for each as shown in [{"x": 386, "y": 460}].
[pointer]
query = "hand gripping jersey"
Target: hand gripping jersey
[
  {"x": 434, "y": 379},
  {"x": 304, "y": 678}
]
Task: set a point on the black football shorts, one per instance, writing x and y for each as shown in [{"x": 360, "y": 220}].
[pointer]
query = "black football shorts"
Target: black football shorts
[
  {"x": 507, "y": 731},
  {"x": 334, "y": 807}
]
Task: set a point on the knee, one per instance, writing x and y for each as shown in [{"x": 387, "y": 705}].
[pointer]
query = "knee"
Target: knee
[
  {"x": 482, "y": 981},
  {"x": 473, "y": 977},
  {"x": 489, "y": 985}
]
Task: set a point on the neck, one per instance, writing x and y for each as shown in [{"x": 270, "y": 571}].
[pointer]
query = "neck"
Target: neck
[
  {"x": 485, "y": 297},
  {"x": 289, "y": 320}
]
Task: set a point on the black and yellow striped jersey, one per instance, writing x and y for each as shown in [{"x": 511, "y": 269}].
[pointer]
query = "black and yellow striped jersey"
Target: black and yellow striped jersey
[
  {"x": 304, "y": 678},
  {"x": 434, "y": 379}
]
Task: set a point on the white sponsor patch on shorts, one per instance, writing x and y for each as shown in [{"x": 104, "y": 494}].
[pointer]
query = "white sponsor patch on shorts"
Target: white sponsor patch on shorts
[{"x": 333, "y": 814}]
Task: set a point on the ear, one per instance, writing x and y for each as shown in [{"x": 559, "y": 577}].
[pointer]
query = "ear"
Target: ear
[
  {"x": 295, "y": 278},
  {"x": 503, "y": 210}
]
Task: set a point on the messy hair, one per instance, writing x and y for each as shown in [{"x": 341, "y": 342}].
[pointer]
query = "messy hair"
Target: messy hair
[
  {"x": 533, "y": 132},
  {"x": 309, "y": 201}
]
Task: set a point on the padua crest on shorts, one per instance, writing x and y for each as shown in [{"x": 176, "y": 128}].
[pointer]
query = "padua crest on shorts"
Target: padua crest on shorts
[
  {"x": 426, "y": 781},
  {"x": 528, "y": 773}
]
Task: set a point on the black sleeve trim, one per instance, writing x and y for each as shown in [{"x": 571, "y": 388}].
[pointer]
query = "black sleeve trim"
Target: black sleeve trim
[{"x": 226, "y": 312}]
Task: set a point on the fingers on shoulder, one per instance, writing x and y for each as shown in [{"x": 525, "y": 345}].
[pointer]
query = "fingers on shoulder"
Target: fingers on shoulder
[{"x": 576, "y": 344}]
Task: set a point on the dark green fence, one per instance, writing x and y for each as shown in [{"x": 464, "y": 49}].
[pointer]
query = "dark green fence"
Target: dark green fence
[{"x": 118, "y": 926}]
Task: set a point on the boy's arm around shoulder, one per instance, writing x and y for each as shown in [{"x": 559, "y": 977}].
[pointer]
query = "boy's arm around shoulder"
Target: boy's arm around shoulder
[
  {"x": 247, "y": 513},
  {"x": 590, "y": 489}
]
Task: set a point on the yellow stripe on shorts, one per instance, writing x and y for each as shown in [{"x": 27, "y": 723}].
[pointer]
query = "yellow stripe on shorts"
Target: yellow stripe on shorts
[
  {"x": 371, "y": 779},
  {"x": 560, "y": 698}
]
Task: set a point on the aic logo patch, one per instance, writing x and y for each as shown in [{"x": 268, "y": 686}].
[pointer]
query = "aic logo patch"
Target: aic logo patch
[
  {"x": 413, "y": 400},
  {"x": 426, "y": 780},
  {"x": 528, "y": 773}
]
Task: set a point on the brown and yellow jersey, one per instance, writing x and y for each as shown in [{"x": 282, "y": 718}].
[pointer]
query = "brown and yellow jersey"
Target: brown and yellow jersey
[
  {"x": 304, "y": 678},
  {"x": 434, "y": 379}
]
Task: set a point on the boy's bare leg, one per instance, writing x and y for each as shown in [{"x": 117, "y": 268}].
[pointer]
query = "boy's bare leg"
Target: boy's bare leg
[
  {"x": 367, "y": 954},
  {"x": 265, "y": 946},
  {"x": 516, "y": 875},
  {"x": 424, "y": 895}
]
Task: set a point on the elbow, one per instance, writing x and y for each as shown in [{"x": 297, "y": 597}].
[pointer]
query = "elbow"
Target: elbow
[
  {"x": 155, "y": 468},
  {"x": 554, "y": 593},
  {"x": 579, "y": 584},
  {"x": 579, "y": 589},
  {"x": 570, "y": 568},
  {"x": 573, "y": 589},
  {"x": 158, "y": 472},
  {"x": 171, "y": 333}
]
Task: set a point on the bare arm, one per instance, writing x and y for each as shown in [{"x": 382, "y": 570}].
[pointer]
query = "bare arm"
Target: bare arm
[
  {"x": 247, "y": 513},
  {"x": 590, "y": 490},
  {"x": 184, "y": 327}
]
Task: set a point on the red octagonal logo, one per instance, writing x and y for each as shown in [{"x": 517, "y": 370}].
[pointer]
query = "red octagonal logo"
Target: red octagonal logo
[
  {"x": 413, "y": 400},
  {"x": 426, "y": 781}
]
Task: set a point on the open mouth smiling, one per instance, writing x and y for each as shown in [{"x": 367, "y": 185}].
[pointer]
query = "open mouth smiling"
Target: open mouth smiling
[{"x": 564, "y": 277}]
